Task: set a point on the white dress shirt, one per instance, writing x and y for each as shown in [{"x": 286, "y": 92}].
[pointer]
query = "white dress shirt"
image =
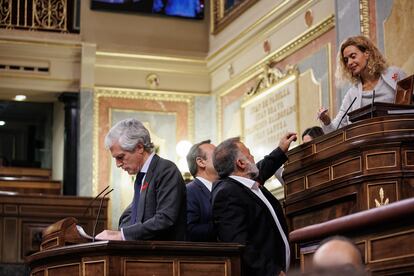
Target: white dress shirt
[
  {"x": 254, "y": 187},
  {"x": 206, "y": 183}
]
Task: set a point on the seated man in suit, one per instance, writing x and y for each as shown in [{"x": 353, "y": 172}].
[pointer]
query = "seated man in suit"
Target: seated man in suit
[
  {"x": 245, "y": 212},
  {"x": 158, "y": 209}
]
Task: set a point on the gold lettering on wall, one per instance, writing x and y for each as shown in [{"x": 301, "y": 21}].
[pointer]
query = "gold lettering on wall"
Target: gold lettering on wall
[{"x": 270, "y": 111}]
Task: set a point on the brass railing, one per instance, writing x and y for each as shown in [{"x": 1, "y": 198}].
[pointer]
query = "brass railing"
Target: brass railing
[{"x": 45, "y": 15}]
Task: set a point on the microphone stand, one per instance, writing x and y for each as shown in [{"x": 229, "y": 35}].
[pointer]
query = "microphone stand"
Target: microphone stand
[
  {"x": 99, "y": 213},
  {"x": 93, "y": 200},
  {"x": 372, "y": 105},
  {"x": 346, "y": 112}
]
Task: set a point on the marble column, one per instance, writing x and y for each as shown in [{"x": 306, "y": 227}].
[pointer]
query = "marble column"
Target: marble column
[{"x": 70, "y": 163}]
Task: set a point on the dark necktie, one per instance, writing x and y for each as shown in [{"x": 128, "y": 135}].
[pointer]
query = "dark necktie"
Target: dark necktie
[{"x": 137, "y": 192}]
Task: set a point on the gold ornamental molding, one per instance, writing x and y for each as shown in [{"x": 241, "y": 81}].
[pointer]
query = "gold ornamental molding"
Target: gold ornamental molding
[
  {"x": 272, "y": 77},
  {"x": 43, "y": 42},
  {"x": 220, "y": 18},
  {"x": 258, "y": 68},
  {"x": 309, "y": 36},
  {"x": 144, "y": 94},
  {"x": 200, "y": 60},
  {"x": 381, "y": 201},
  {"x": 295, "y": 10},
  {"x": 284, "y": 51},
  {"x": 364, "y": 17},
  {"x": 39, "y": 15},
  {"x": 156, "y": 63},
  {"x": 135, "y": 94},
  {"x": 189, "y": 71}
]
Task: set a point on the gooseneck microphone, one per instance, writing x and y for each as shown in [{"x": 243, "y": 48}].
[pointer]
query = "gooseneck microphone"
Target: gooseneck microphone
[
  {"x": 346, "y": 112},
  {"x": 372, "y": 105},
  {"x": 93, "y": 200},
  {"x": 99, "y": 213}
]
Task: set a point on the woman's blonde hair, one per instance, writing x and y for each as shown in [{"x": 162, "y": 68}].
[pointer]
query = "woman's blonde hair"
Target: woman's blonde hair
[{"x": 376, "y": 64}]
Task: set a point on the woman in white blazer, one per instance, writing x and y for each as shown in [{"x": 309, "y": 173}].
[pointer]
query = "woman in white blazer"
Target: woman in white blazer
[{"x": 360, "y": 62}]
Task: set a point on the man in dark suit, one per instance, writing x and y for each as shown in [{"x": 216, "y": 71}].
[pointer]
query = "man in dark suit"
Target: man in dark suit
[
  {"x": 158, "y": 210},
  {"x": 199, "y": 219},
  {"x": 245, "y": 212},
  {"x": 200, "y": 225}
]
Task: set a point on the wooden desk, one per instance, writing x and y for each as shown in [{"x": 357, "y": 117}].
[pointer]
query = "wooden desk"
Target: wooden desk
[
  {"x": 143, "y": 258},
  {"x": 28, "y": 181},
  {"x": 385, "y": 237},
  {"x": 359, "y": 167},
  {"x": 23, "y": 218}
]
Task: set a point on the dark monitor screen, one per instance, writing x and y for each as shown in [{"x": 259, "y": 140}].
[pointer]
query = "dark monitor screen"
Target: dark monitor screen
[{"x": 179, "y": 8}]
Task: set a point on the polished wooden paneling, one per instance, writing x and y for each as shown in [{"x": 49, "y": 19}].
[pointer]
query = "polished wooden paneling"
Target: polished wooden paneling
[
  {"x": 25, "y": 172},
  {"x": 23, "y": 218},
  {"x": 385, "y": 237},
  {"x": 317, "y": 178},
  {"x": 1, "y": 236},
  {"x": 324, "y": 144},
  {"x": 371, "y": 164},
  {"x": 363, "y": 157},
  {"x": 141, "y": 258},
  {"x": 95, "y": 267},
  {"x": 11, "y": 234},
  {"x": 346, "y": 167},
  {"x": 203, "y": 268},
  {"x": 323, "y": 212},
  {"x": 31, "y": 237},
  {"x": 39, "y": 272},
  {"x": 295, "y": 185},
  {"x": 409, "y": 158},
  {"x": 407, "y": 188},
  {"x": 31, "y": 186},
  {"x": 149, "y": 267},
  {"x": 381, "y": 160},
  {"x": 307, "y": 150},
  {"x": 66, "y": 269},
  {"x": 28, "y": 181},
  {"x": 382, "y": 248}
]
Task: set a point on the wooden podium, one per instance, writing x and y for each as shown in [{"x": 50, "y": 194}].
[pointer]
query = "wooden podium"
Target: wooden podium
[
  {"x": 358, "y": 168},
  {"x": 144, "y": 258}
]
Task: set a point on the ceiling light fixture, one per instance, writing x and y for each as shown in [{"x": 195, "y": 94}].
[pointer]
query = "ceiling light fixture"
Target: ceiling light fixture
[
  {"x": 20, "y": 98},
  {"x": 2, "y": 123}
]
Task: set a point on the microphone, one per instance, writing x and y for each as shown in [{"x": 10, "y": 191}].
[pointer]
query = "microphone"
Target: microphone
[
  {"x": 372, "y": 105},
  {"x": 99, "y": 213},
  {"x": 346, "y": 112},
  {"x": 93, "y": 200}
]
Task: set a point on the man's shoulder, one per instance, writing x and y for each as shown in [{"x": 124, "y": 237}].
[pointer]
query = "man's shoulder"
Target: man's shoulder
[
  {"x": 162, "y": 162},
  {"x": 224, "y": 184},
  {"x": 191, "y": 186}
]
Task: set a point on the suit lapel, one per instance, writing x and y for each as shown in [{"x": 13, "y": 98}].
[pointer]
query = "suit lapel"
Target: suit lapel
[
  {"x": 261, "y": 203},
  {"x": 251, "y": 194},
  {"x": 145, "y": 186},
  {"x": 276, "y": 207},
  {"x": 203, "y": 188}
]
